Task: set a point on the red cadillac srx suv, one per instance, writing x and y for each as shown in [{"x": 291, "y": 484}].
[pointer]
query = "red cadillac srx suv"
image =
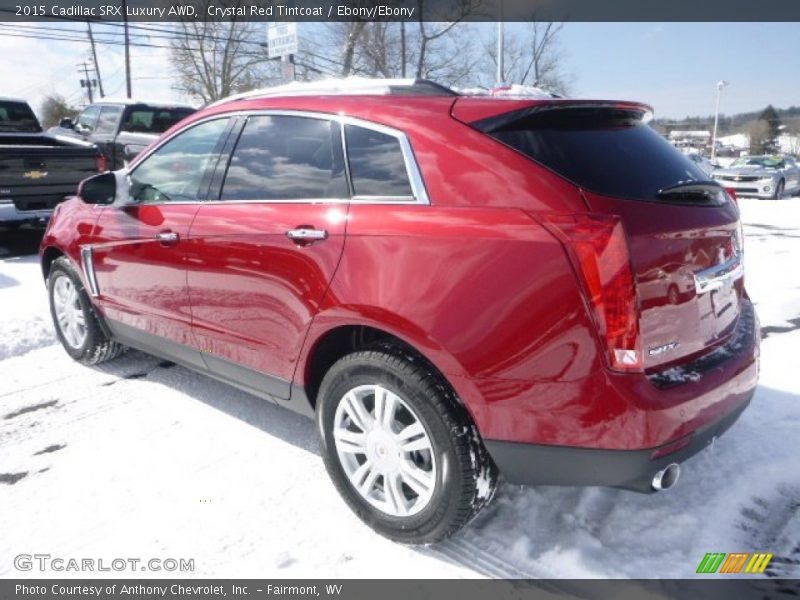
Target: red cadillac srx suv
[{"x": 454, "y": 287}]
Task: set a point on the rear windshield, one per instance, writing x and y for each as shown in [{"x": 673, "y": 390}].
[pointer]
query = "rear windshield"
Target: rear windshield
[
  {"x": 17, "y": 116},
  {"x": 607, "y": 151},
  {"x": 153, "y": 120}
]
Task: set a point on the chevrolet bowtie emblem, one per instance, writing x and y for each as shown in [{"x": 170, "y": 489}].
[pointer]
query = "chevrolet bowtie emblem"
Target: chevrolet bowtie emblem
[{"x": 34, "y": 174}]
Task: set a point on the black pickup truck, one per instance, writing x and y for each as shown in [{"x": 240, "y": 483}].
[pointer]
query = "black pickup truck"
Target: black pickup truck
[
  {"x": 38, "y": 170},
  {"x": 123, "y": 128}
]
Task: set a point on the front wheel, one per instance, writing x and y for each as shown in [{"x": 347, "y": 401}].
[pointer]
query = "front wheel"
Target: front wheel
[
  {"x": 400, "y": 448},
  {"x": 74, "y": 318}
]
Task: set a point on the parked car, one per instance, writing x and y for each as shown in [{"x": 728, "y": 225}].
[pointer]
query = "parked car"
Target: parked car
[
  {"x": 447, "y": 284},
  {"x": 701, "y": 161},
  {"x": 37, "y": 170},
  {"x": 761, "y": 176},
  {"x": 123, "y": 128}
]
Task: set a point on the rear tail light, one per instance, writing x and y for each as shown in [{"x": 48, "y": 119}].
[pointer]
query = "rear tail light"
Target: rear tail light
[
  {"x": 100, "y": 163},
  {"x": 599, "y": 251},
  {"x": 732, "y": 194}
]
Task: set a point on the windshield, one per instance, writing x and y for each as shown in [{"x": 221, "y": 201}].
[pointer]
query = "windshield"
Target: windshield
[
  {"x": 17, "y": 116},
  {"x": 146, "y": 119},
  {"x": 770, "y": 162}
]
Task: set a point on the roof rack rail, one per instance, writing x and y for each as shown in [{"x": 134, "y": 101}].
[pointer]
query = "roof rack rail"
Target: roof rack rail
[{"x": 347, "y": 86}]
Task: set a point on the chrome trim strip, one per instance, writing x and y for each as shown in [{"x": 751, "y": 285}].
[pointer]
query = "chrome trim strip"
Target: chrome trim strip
[
  {"x": 412, "y": 167},
  {"x": 87, "y": 263},
  {"x": 716, "y": 277}
]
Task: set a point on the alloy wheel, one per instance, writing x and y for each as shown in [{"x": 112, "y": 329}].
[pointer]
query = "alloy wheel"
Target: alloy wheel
[
  {"x": 384, "y": 450},
  {"x": 69, "y": 312}
]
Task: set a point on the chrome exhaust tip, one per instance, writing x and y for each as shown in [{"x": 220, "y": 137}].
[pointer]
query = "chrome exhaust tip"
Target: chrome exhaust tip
[{"x": 666, "y": 478}]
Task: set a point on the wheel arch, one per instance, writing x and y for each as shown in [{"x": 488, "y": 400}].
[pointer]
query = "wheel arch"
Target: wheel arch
[
  {"x": 324, "y": 346},
  {"x": 48, "y": 256}
]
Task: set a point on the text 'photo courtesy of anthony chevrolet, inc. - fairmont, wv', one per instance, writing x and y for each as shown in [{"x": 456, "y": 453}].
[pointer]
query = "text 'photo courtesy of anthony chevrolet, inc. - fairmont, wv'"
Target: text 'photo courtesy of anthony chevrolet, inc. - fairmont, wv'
[{"x": 344, "y": 298}]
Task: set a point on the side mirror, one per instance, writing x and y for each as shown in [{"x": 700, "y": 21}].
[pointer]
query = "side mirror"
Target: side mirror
[
  {"x": 99, "y": 189},
  {"x": 66, "y": 123}
]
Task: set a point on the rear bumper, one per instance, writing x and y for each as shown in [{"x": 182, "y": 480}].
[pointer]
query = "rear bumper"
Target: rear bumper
[
  {"x": 10, "y": 214},
  {"x": 530, "y": 464},
  {"x": 630, "y": 426}
]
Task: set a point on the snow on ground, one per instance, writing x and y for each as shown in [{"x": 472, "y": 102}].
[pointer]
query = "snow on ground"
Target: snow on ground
[{"x": 141, "y": 458}]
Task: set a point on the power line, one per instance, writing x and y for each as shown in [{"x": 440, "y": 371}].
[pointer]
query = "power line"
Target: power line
[
  {"x": 112, "y": 38},
  {"x": 174, "y": 34}
]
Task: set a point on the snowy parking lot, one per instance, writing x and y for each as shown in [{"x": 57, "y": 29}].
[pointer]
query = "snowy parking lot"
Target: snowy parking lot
[{"x": 141, "y": 458}]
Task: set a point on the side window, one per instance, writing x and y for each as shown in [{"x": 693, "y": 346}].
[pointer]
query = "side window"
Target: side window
[
  {"x": 87, "y": 119},
  {"x": 107, "y": 122},
  {"x": 173, "y": 172},
  {"x": 377, "y": 166},
  {"x": 286, "y": 158}
]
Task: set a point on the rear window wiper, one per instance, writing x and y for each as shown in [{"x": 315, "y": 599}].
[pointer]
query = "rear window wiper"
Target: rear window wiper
[{"x": 710, "y": 191}]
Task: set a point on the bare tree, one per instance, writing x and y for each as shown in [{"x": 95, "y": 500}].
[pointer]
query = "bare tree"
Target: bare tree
[
  {"x": 758, "y": 130},
  {"x": 440, "y": 51},
  {"x": 533, "y": 57},
  {"x": 55, "y": 108},
  {"x": 214, "y": 59}
]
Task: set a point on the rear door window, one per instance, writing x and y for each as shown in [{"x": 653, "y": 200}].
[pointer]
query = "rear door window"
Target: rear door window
[
  {"x": 377, "y": 166},
  {"x": 17, "y": 117},
  {"x": 152, "y": 120},
  {"x": 607, "y": 151},
  {"x": 286, "y": 158}
]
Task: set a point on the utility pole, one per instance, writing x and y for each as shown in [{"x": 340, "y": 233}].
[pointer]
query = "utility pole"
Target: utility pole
[
  {"x": 88, "y": 82},
  {"x": 127, "y": 48},
  {"x": 403, "y": 49},
  {"x": 94, "y": 56},
  {"x": 500, "y": 45},
  {"x": 720, "y": 85}
]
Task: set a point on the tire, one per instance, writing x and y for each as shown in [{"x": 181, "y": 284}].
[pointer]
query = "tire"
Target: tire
[
  {"x": 453, "y": 477},
  {"x": 778, "y": 193},
  {"x": 85, "y": 340}
]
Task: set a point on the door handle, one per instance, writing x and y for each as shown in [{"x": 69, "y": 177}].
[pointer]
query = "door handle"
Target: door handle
[
  {"x": 306, "y": 234},
  {"x": 167, "y": 238}
]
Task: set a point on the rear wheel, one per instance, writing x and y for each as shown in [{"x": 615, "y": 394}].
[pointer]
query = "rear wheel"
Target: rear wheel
[
  {"x": 400, "y": 448},
  {"x": 76, "y": 324}
]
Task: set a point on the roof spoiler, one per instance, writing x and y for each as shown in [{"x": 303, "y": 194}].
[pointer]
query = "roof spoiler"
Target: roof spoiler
[{"x": 487, "y": 114}]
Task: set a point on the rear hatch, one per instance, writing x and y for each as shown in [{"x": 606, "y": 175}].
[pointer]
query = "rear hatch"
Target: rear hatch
[
  {"x": 38, "y": 171},
  {"x": 683, "y": 232}
]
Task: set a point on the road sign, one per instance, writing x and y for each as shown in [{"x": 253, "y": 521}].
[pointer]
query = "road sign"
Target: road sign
[{"x": 281, "y": 39}]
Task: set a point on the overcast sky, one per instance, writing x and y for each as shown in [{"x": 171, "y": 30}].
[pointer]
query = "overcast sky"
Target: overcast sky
[{"x": 673, "y": 66}]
